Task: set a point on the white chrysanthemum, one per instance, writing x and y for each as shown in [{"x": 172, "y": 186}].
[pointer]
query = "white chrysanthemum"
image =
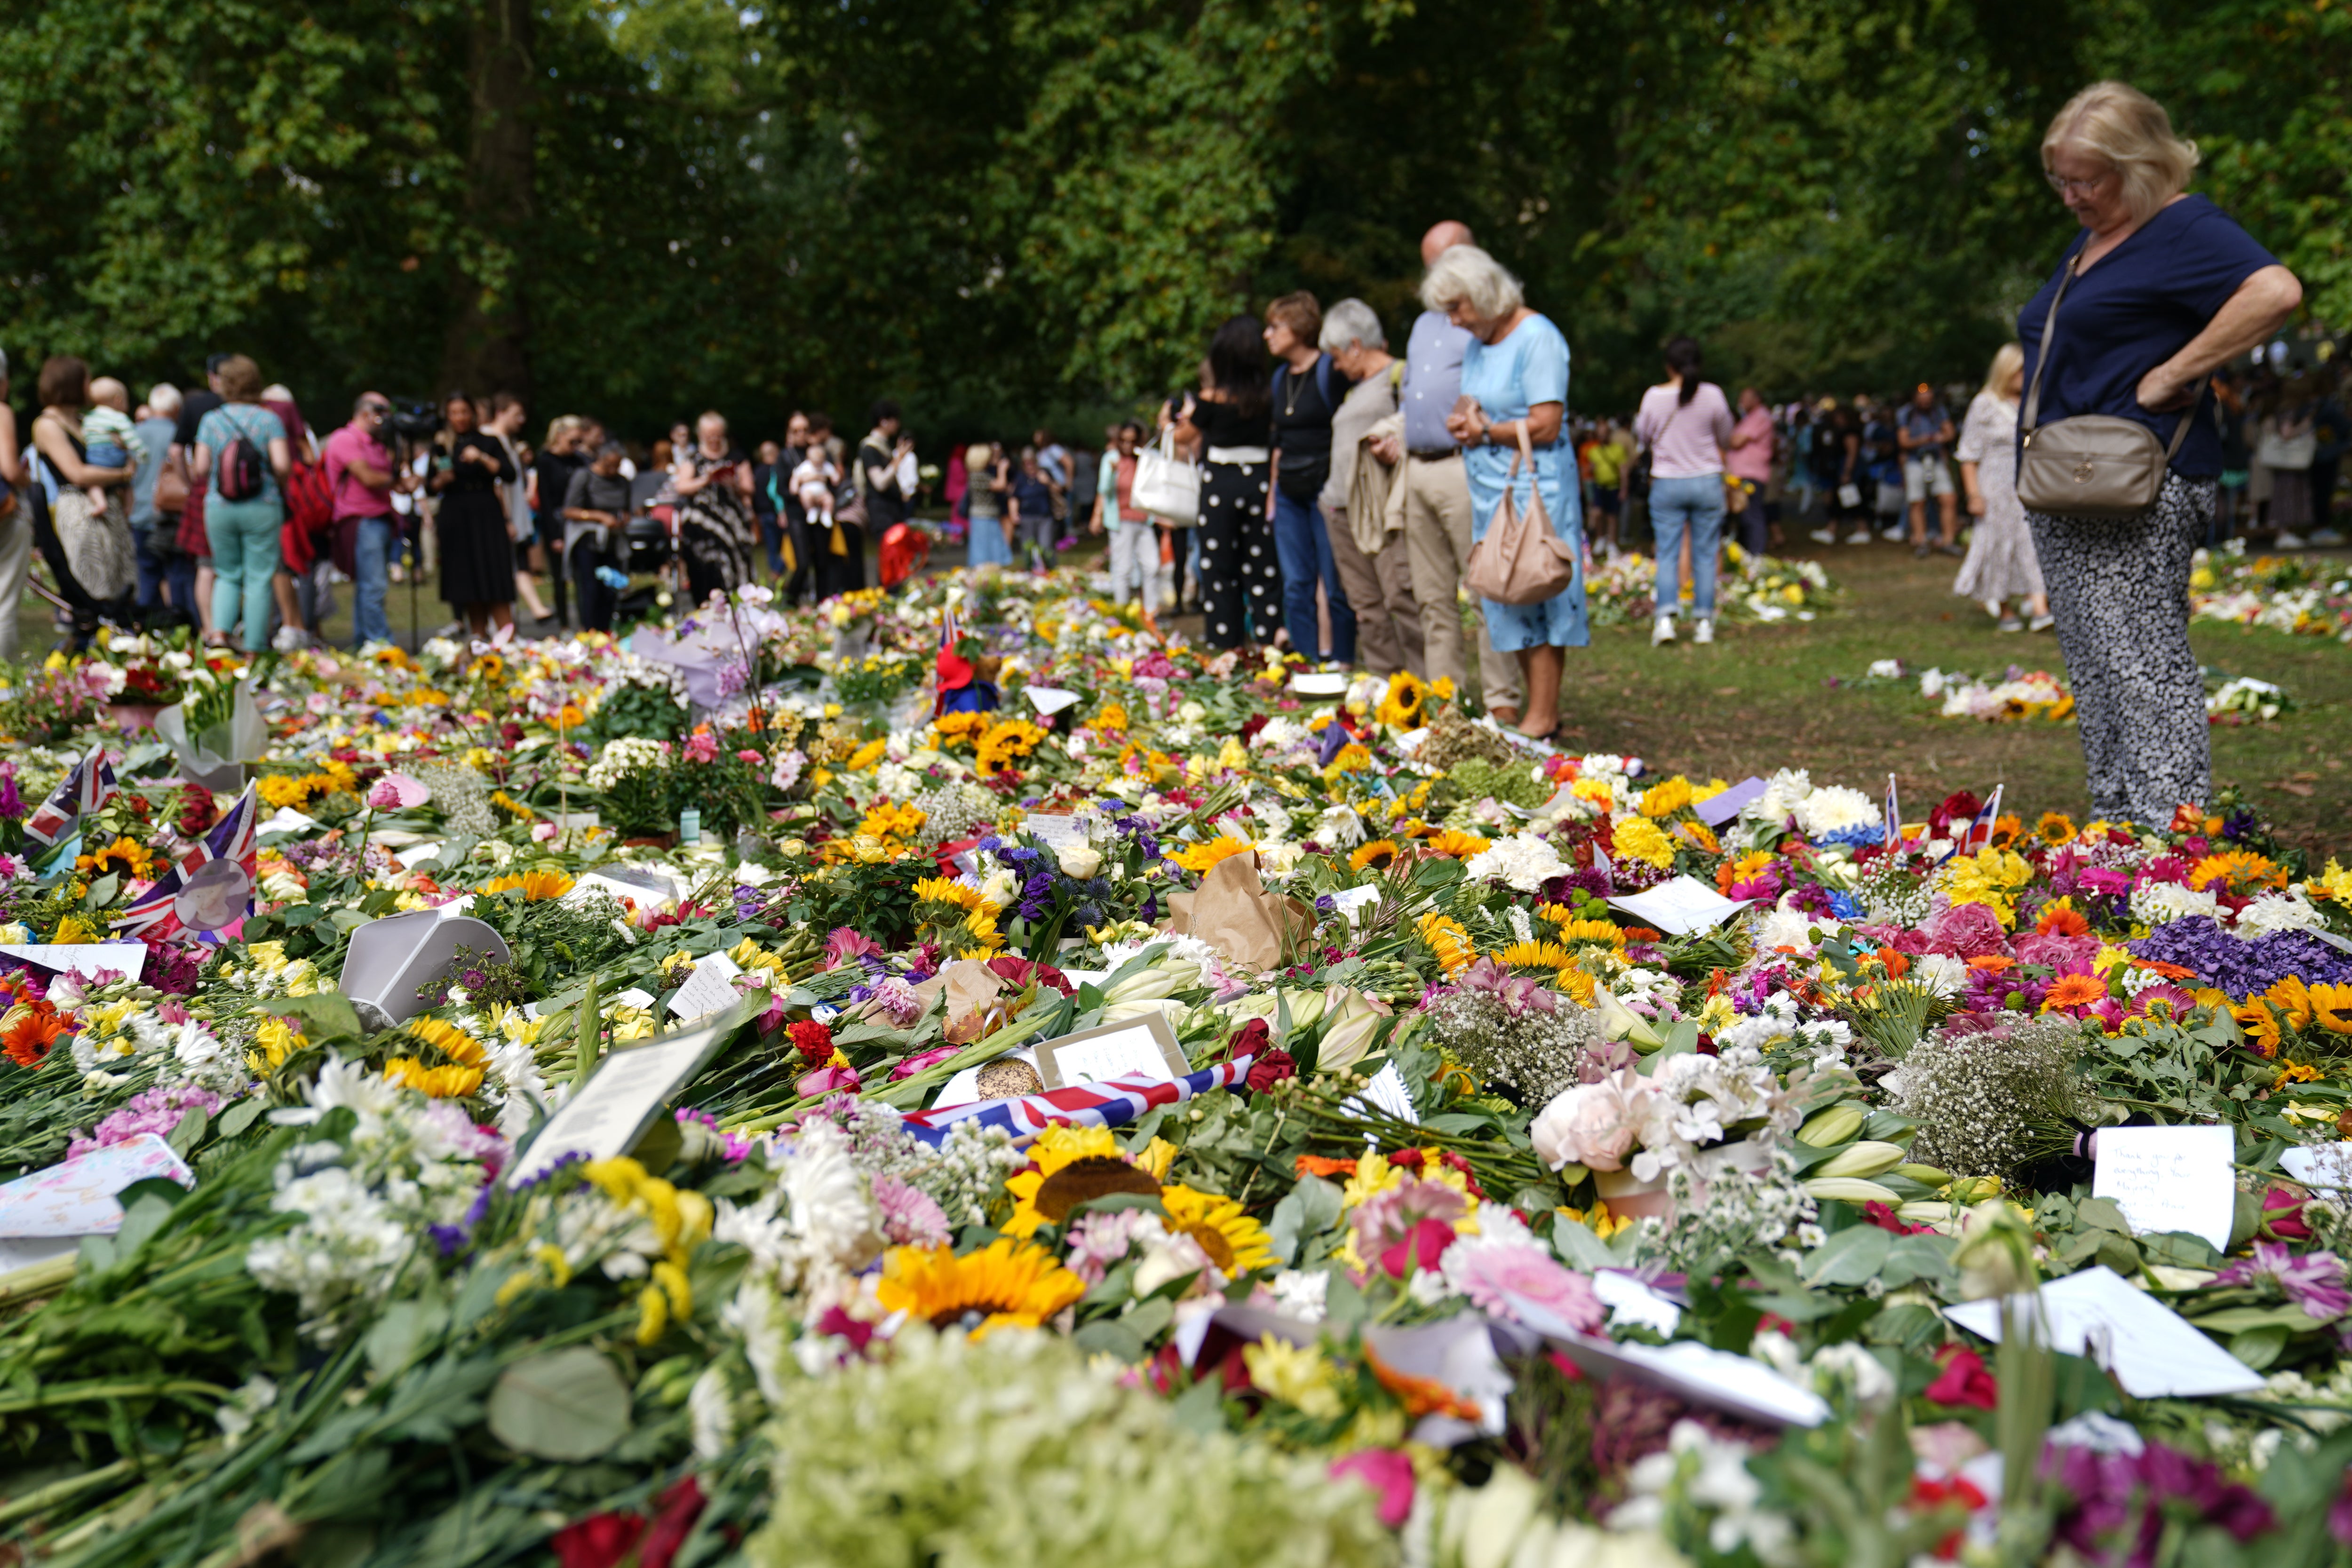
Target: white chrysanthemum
[
  {"x": 1339, "y": 828},
  {"x": 1279, "y": 734},
  {"x": 1784, "y": 925},
  {"x": 711, "y": 1414},
  {"x": 833, "y": 1211},
  {"x": 350, "y": 1247},
  {"x": 1833, "y": 808},
  {"x": 1523, "y": 861},
  {"x": 1783, "y": 792},
  {"x": 2157, "y": 903},
  {"x": 1303, "y": 1294},
  {"x": 2278, "y": 911}
]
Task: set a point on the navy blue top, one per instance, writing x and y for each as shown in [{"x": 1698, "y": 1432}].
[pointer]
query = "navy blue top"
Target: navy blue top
[{"x": 2135, "y": 309}]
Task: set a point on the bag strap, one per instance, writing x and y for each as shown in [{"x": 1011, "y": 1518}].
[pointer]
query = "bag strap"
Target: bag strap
[
  {"x": 1526, "y": 453},
  {"x": 2041, "y": 360}
]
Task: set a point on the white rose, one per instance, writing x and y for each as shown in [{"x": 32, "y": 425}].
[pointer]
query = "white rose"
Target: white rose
[{"x": 1080, "y": 861}]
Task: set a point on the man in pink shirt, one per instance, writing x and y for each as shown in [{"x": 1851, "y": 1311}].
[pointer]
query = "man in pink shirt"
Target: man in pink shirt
[
  {"x": 360, "y": 476},
  {"x": 1747, "y": 462}
]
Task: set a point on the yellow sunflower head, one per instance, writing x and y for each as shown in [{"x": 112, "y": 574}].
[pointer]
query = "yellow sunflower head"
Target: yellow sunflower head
[
  {"x": 1007, "y": 1282},
  {"x": 1068, "y": 1166},
  {"x": 125, "y": 856},
  {"x": 450, "y": 1082},
  {"x": 534, "y": 885},
  {"x": 1235, "y": 1243},
  {"x": 449, "y": 1040},
  {"x": 1457, "y": 844},
  {"x": 1201, "y": 858},
  {"x": 1401, "y": 708},
  {"x": 1379, "y": 855}
]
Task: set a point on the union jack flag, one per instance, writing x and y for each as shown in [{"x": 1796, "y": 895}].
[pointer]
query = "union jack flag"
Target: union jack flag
[
  {"x": 88, "y": 786},
  {"x": 1112, "y": 1104},
  {"x": 156, "y": 915},
  {"x": 1894, "y": 815}
]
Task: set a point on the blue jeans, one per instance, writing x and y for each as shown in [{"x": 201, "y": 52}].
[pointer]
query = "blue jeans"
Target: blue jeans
[
  {"x": 1696, "y": 503},
  {"x": 1303, "y": 549},
  {"x": 150, "y": 563},
  {"x": 378, "y": 538}
]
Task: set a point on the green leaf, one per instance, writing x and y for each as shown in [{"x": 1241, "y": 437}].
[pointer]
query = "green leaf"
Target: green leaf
[
  {"x": 2258, "y": 1347},
  {"x": 321, "y": 1016},
  {"x": 2244, "y": 1319},
  {"x": 1202, "y": 1407},
  {"x": 1113, "y": 1337},
  {"x": 2102, "y": 1214},
  {"x": 1311, "y": 1206},
  {"x": 1851, "y": 1257},
  {"x": 242, "y": 1115},
  {"x": 190, "y": 1132},
  {"x": 566, "y": 1404},
  {"x": 101, "y": 892}
]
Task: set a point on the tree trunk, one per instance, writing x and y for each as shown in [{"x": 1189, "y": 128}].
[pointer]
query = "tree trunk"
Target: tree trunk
[{"x": 487, "y": 348}]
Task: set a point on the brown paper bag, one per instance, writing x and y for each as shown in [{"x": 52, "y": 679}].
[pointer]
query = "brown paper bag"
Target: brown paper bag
[
  {"x": 969, "y": 985},
  {"x": 1233, "y": 913}
]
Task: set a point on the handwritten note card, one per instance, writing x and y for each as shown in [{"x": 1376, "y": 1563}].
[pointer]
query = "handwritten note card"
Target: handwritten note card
[
  {"x": 1142, "y": 1047},
  {"x": 2153, "y": 1351},
  {"x": 2169, "y": 1178},
  {"x": 1683, "y": 904},
  {"x": 627, "y": 1090},
  {"x": 707, "y": 989}
]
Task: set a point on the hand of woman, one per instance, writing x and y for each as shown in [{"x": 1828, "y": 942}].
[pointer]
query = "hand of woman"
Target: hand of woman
[
  {"x": 1976, "y": 503},
  {"x": 1466, "y": 426},
  {"x": 2163, "y": 391}
]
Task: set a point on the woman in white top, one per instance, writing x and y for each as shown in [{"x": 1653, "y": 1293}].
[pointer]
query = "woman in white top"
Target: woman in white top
[
  {"x": 2000, "y": 564},
  {"x": 1685, "y": 424}
]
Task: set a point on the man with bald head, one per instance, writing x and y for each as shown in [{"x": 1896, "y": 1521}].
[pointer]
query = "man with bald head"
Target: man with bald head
[{"x": 1437, "y": 495}]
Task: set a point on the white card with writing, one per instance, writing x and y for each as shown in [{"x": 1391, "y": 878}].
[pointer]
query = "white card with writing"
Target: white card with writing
[
  {"x": 626, "y": 1092},
  {"x": 2153, "y": 1351},
  {"x": 83, "y": 958},
  {"x": 707, "y": 987},
  {"x": 2169, "y": 1178},
  {"x": 288, "y": 820},
  {"x": 1141, "y": 1047},
  {"x": 1681, "y": 905},
  {"x": 1056, "y": 830}
]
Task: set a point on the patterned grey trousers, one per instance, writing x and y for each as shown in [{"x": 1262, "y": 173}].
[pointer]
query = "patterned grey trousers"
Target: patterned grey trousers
[{"x": 2119, "y": 589}]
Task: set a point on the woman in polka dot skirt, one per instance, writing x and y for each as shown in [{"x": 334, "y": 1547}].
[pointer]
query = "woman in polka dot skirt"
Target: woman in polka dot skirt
[{"x": 1241, "y": 585}]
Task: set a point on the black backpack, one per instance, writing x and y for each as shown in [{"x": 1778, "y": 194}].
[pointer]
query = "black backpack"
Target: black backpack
[{"x": 241, "y": 466}]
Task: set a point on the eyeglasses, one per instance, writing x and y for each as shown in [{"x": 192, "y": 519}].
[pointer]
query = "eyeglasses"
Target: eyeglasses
[{"x": 2075, "y": 187}]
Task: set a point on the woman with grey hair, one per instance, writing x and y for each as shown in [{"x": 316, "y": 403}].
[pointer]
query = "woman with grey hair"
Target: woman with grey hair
[
  {"x": 2158, "y": 290},
  {"x": 1374, "y": 566},
  {"x": 1514, "y": 392}
]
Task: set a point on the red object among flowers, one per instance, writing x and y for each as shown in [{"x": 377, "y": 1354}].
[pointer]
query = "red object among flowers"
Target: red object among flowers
[
  {"x": 1270, "y": 1068},
  {"x": 608, "y": 1540},
  {"x": 813, "y": 1040},
  {"x": 1927, "y": 1494},
  {"x": 1388, "y": 1472},
  {"x": 1885, "y": 1218},
  {"x": 1964, "y": 1380},
  {"x": 1419, "y": 1247}
]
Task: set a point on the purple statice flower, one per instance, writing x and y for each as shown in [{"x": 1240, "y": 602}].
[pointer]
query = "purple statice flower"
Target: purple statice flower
[
  {"x": 158, "y": 1111},
  {"x": 12, "y": 804},
  {"x": 2240, "y": 966},
  {"x": 2313, "y": 1282}
]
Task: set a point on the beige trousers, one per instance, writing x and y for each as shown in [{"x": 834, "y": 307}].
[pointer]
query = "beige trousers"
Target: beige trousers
[
  {"x": 1437, "y": 546},
  {"x": 1380, "y": 588}
]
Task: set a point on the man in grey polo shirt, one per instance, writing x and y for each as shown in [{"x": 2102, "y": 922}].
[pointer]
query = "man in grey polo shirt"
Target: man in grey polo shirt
[{"x": 1437, "y": 497}]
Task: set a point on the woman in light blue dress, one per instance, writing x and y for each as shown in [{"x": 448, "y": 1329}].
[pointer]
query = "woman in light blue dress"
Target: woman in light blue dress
[{"x": 1515, "y": 376}]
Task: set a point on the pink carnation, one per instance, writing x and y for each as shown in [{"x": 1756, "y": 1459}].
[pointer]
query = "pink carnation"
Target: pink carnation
[
  {"x": 1500, "y": 1276},
  {"x": 910, "y": 1216},
  {"x": 1388, "y": 1472}
]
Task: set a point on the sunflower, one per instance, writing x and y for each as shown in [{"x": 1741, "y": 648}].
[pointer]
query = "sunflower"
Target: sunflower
[
  {"x": 449, "y": 1040},
  {"x": 1007, "y": 1282},
  {"x": 955, "y": 916},
  {"x": 126, "y": 857},
  {"x": 1069, "y": 1165},
  {"x": 2073, "y": 991},
  {"x": 1535, "y": 955},
  {"x": 441, "y": 1083},
  {"x": 997, "y": 749},
  {"x": 1235, "y": 1243},
  {"x": 1574, "y": 931},
  {"x": 534, "y": 885},
  {"x": 1401, "y": 709},
  {"x": 1203, "y": 857},
  {"x": 1378, "y": 855},
  {"x": 2328, "y": 1005},
  {"x": 1457, "y": 844},
  {"x": 1449, "y": 939}
]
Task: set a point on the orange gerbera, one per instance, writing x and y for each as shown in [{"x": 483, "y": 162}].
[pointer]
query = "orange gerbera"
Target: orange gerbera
[
  {"x": 1992, "y": 962},
  {"x": 29, "y": 1029},
  {"x": 2241, "y": 871},
  {"x": 2073, "y": 991},
  {"x": 2062, "y": 919}
]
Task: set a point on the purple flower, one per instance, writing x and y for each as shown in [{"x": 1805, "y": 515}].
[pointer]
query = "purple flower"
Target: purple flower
[
  {"x": 2313, "y": 1282},
  {"x": 2239, "y": 966}
]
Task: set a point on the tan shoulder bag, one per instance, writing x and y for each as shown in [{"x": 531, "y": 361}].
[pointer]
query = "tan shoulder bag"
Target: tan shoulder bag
[
  {"x": 2093, "y": 465},
  {"x": 1521, "y": 561}
]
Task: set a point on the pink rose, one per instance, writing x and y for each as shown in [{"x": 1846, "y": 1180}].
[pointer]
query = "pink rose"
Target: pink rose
[{"x": 1592, "y": 1124}]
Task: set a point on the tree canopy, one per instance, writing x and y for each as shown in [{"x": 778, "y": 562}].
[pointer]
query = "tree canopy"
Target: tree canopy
[{"x": 988, "y": 206}]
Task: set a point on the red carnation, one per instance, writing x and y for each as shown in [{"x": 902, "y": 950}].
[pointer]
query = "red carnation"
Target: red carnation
[
  {"x": 813, "y": 1040},
  {"x": 1964, "y": 1380}
]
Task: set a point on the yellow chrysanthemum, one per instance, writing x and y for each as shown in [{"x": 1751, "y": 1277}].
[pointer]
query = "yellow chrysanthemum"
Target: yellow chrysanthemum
[
  {"x": 2335, "y": 883},
  {"x": 1007, "y": 1282},
  {"x": 1067, "y": 1166},
  {"x": 1112, "y": 718},
  {"x": 1457, "y": 844},
  {"x": 1203, "y": 857},
  {"x": 1449, "y": 938},
  {"x": 1667, "y": 798},
  {"x": 1639, "y": 839},
  {"x": 1298, "y": 1375},
  {"x": 534, "y": 885},
  {"x": 1235, "y": 1243}
]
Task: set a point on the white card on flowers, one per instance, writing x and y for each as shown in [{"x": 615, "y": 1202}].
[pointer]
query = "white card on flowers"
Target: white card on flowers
[
  {"x": 2153, "y": 1351},
  {"x": 1681, "y": 905},
  {"x": 2169, "y": 1178},
  {"x": 629, "y": 1088}
]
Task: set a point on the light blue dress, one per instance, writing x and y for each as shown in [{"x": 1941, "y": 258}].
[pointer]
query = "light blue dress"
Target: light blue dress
[{"x": 1528, "y": 367}]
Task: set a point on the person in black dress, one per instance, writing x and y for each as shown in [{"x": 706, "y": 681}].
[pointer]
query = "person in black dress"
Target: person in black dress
[
  {"x": 477, "y": 551},
  {"x": 1231, "y": 419}
]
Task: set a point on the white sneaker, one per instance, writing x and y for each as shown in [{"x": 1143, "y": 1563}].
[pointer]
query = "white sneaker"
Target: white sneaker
[
  {"x": 1704, "y": 632},
  {"x": 1664, "y": 632},
  {"x": 1824, "y": 536},
  {"x": 1860, "y": 536},
  {"x": 2290, "y": 541},
  {"x": 290, "y": 639},
  {"x": 1896, "y": 535}
]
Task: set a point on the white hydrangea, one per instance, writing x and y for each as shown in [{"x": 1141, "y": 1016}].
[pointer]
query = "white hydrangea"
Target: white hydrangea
[
  {"x": 1833, "y": 808},
  {"x": 1523, "y": 861},
  {"x": 2158, "y": 903}
]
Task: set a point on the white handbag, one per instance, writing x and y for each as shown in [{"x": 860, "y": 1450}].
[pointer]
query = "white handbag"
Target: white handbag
[{"x": 1165, "y": 487}]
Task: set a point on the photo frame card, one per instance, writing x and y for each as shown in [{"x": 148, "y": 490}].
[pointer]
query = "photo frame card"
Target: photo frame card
[
  {"x": 1144, "y": 1046},
  {"x": 608, "y": 1115}
]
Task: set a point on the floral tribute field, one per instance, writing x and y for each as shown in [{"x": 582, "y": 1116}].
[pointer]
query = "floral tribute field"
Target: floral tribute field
[{"x": 950, "y": 1078}]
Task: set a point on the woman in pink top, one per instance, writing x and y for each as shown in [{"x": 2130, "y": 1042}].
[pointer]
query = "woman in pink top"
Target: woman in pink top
[
  {"x": 1685, "y": 424},
  {"x": 1747, "y": 463}
]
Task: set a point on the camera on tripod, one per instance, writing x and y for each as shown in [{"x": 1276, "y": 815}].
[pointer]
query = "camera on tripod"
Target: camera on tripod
[{"x": 413, "y": 421}]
